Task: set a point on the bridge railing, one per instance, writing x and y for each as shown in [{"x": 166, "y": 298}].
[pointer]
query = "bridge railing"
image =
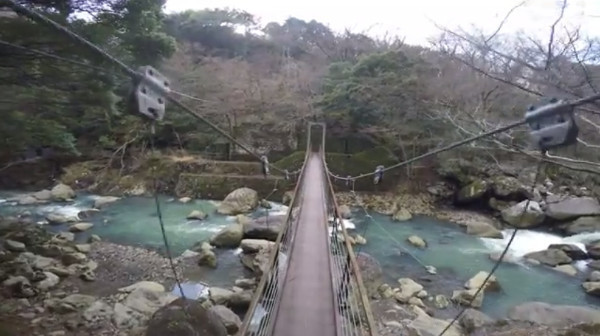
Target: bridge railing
[
  {"x": 352, "y": 299},
  {"x": 261, "y": 314}
]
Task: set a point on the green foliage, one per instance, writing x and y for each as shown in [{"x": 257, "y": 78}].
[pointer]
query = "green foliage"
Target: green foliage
[
  {"x": 49, "y": 103},
  {"x": 379, "y": 88}
]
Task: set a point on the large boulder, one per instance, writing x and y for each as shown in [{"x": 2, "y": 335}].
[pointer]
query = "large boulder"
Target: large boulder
[
  {"x": 467, "y": 297},
  {"x": 287, "y": 197},
  {"x": 239, "y": 201},
  {"x": 14, "y": 246},
  {"x": 593, "y": 249},
  {"x": 553, "y": 315},
  {"x": 592, "y": 287},
  {"x": 425, "y": 325},
  {"x": 62, "y": 192},
  {"x": 582, "y": 225},
  {"x": 148, "y": 301},
  {"x": 255, "y": 245},
  {"x": 401, "y": 215},
  {"x": 102, "y": 201},
  {"x": 477, "y": 281},
  {"x": 231, "y": 236},
  {"x": 219, "y": 296},
  {"x": 186, "y": 318},
  {"x": 533, "y": 216},
  {"x": 408, "y": 288},
  {"x": 43, "y": 195},
  {"x": 550, "y": 257},
  {"x": 55, "y": 218},
  {"x": 80, "y": 227},
  {"x": 197, "y": 215},
  {"x": 207, "y": 257},
  {"x": 473, "y": 192},
  {"x": 345, "y": 211},
  {"x": 482, "y": 229},
  {"x": 473, "y": 319},
  {"x": 572, "y": 207},
  {"x": 371, "y": 272},
  {"x": 50, "y": 281},
  {"x": 230, "y": 320},
  {"x": 266, "y": 227},
  {"x": 146, "y": 285},
  {"x": 417, "y": 241},
  {"x": 572, "y": 251},
  {"x": 508, "y": 187}
]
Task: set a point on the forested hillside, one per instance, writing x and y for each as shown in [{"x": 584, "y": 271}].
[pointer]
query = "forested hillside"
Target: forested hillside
[{"x": 263, "y": 81}]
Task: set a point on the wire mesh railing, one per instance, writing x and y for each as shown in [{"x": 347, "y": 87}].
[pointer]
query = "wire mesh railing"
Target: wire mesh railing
[
  {"x": 262, "y": 312},
  {"x": 355, "y": 317}
]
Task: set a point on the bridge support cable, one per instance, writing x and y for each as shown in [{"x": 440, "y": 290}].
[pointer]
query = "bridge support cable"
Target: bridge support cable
[
  {"x": 351, "y": 296},
  {"x": 261, "y": 315}
]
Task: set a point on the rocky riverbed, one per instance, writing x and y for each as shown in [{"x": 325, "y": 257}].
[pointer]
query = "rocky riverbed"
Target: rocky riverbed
[{"x": 62, "y": 264}]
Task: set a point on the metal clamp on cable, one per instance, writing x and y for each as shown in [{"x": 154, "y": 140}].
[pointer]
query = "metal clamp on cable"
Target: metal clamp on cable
[
  {"x": 552, "y": 125},
  {"x": 348, "y": 180},
  {"x": 150, "y": 93},
  {"x": 378, "y": 174},
  {"x": 265, "y": 165},
  {"x": 287, "y": 174}
]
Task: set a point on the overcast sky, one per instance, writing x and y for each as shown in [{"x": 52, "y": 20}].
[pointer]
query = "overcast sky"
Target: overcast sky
[{"x": 412, "y": 19}]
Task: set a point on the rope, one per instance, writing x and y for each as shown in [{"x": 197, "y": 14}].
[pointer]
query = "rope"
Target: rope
[
  {"x": 35, "y": 16},
  {"x": 499, "y": 261},
  {"x": 162, "y": 224}
]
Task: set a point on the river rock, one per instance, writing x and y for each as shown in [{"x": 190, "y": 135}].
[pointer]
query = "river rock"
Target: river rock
[
  {"x": 592, "y": 288},
  {"x": 550, "y": 257},
  {"x": 63, "y": 237},
  {"x": 571, "y": 250},
  {"x": 583, "y": 225},
  {"x": 371, "y": 272},
  {"x": 77, "y": 302},
  {"x": 473, "y": 319},
  {"x": 62, "y": 192},
  {"x": 19, "y": 285},
  {"x": 482, "y": 229},
  {"x": 287, "y": 197},
  {"x": 402, "y": 215},
  {"x": 94, "y": 239},
  {"x": 60, "y": 271},
  {"x": 88, "y": 276},
  {"x": 239, "y": 201},
  {"x": 464, "y": 297},
  {"x": 594, "y": 264},
  {"x": 534, "y": 215},
  {"x": 408, "y": 288},
  {"x": 266, "y": 227},
  {"x": 49, "y": 282},
  {"x": 231, "y": 236},
  {"x": 594, "y": 276},
  {"x": 80, "y": 227},
  {"x": 73, "y": 258},
  {"x": 245, "y": 283},
  {"x": 126, "y": 318},
  {"x": 185, "y": 200},
  {"x": 425, "y": 325},
  {"x": 255, "y": 245},
  {"x": 572, "y": 207},
  {"x": 345, "y": 211},
  {"x": 553, "y": 315},
  {"x": 197, "y": 214},
  {"x": 219, "y": 296},
  {"x": 498, "y": 205},
  {"x": 186, "y": 318},
  {"x": 360, "y": 240},
  {"x": 148, "y": 301},
  {"x": 102, "y": 201},
  {"x": 477, "y": 281},
  {"x": 54, "y": 218},
  {"x": 146, "y": 285},
  {"x": 473, "y": 192},
  {"x": 43, "y": 195},
  {"x": 241, "y": 300},
  {"x": 88, "y": 213},
  {"x": 231, "y": 321},
  {"x": 441, "y": 301},
  {"x": 386, "y": 291},
  {"x": 508, "y": 187},
  {"x": 98, "y": 312},
  {"x": 567, "y": 269},
  {"x": 83, "y": 248},
  {"x": 27, "y": 200},
  {"x": 14, "y": 246},
  {"x": 417, "y": 241},
  {"x": 593, "y": 249},
  {"x": 206, "y": 257}
]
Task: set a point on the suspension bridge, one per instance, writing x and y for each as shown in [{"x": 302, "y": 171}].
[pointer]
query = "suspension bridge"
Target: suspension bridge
[{"x": 312, "y": 285}]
